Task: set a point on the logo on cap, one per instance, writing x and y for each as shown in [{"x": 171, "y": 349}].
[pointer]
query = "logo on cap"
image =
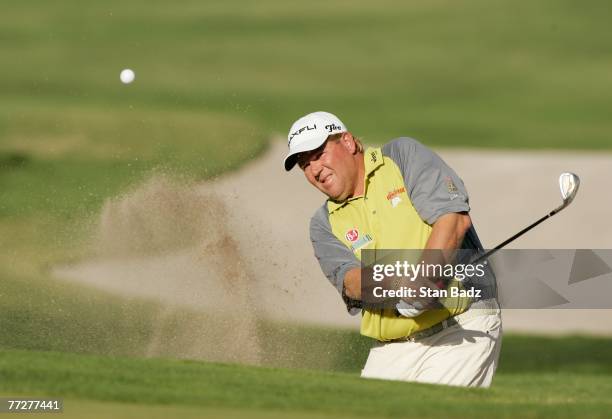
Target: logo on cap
[
  {"x": 332, "y": 127},
  {"x": 301, "y": 130}
]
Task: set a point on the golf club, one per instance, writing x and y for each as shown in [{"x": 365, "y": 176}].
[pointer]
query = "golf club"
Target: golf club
[{"x": 568, "y": 183}]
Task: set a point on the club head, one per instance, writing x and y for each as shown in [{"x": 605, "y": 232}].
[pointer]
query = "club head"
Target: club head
[{"x": 568, "y": 183}]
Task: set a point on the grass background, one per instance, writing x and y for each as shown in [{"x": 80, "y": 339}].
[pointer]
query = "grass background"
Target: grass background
[
  {"x": 542, "y": 377},
  {"x": 214, "y": 81}
]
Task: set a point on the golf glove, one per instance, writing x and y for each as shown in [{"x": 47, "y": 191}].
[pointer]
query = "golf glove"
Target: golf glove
[{"x": 409, "y": 310}]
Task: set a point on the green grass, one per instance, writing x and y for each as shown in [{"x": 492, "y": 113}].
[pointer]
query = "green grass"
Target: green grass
[
  {"x": 214, "y": 81},
  {"x": 472, "y": 73},
  {"x": 39, "y": 314},
  {"x": 537, "y": 378}
]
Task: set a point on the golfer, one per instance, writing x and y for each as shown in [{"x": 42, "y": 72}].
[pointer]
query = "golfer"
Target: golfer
[{"x": 398, "y": 196}]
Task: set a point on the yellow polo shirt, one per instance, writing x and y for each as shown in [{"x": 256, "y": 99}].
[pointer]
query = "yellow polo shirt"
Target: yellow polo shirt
[{"x": 407, "y": 187}]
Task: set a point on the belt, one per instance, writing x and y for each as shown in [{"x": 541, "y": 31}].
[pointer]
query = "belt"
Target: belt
[{"x": 479, "y": 308}]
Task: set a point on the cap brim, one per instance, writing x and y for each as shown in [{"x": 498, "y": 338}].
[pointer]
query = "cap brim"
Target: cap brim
[{"x": 291, "y": 158}]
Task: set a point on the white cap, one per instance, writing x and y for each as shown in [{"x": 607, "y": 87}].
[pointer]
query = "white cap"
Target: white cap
[{"x": 310, "y": 132}]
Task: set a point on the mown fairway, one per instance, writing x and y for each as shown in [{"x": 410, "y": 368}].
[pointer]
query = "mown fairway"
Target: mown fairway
[
  {"x": 471, "y": 73},
  {"x": 537, "y": 378},
  {"x": 214, "y": 81}
]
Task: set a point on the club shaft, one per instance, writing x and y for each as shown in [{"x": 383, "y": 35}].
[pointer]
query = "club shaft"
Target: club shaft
[
  {"x": 516, "y": 236},
  {"x": 569, "y": 183}
]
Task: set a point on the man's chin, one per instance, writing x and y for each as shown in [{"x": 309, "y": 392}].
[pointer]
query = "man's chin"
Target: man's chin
[{"x": 337, "y": 197}]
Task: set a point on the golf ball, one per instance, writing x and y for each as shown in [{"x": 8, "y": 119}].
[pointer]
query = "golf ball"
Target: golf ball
[{"x": 127, "y": 76}]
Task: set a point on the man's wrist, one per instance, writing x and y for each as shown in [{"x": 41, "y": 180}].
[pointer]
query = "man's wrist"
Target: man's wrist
[{"x": 350, "y": 303}]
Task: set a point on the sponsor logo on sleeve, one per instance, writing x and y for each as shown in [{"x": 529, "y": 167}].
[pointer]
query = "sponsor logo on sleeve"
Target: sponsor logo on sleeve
[
  {"x": 450, "y": 185},
  {"x": 452, "y": 189}
]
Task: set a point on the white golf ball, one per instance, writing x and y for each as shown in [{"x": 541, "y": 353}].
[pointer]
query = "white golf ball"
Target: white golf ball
[{"x": 127, "y": 76}]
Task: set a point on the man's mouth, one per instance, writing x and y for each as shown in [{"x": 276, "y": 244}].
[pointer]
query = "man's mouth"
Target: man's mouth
[{"x": 326, "y": 180}]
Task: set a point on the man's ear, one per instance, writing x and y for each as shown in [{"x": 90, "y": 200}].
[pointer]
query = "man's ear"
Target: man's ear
[{"x": 348, "y": 142}]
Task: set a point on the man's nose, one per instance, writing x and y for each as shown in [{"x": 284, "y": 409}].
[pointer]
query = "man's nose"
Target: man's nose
[{"x": 316, "y": 168}]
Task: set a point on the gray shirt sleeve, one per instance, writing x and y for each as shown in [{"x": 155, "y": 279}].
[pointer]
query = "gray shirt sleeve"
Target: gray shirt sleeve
[
  {"x": 334, "y": 257},
  {"x": 434, "y": 188}
]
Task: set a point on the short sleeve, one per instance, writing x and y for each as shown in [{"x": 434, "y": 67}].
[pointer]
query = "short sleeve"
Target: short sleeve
[
  {"x": 334, "y": 257},
  {"x": 434, "y": 188}
]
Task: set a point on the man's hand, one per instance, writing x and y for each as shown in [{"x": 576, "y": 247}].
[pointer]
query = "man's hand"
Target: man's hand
[
  {"x": 355, "y": 289},
  {"x": 352, "y": 284},
  {"x": 408, "y": 310}
]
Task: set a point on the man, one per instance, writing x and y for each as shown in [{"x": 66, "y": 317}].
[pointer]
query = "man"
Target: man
[{"x": 400, "y": 196}]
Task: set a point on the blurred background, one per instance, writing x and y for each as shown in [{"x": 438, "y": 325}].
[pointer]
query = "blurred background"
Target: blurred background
[{"x": 94, "y": 169}]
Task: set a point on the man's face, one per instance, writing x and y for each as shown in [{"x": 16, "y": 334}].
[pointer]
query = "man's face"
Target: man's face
[{"x": 332, "y": 168}]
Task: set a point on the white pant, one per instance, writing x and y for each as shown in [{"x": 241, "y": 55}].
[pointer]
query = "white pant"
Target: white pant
[{"x": 461, "y": 355}]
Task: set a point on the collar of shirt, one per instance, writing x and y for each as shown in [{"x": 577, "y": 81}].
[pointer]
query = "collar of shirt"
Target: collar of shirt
[{"x": 372, "y": 159}]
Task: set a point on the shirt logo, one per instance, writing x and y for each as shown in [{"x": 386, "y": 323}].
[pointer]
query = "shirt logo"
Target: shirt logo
[
  {"x": 394, "y": 196},
  {"x": 362, "y": 242},
  {"x": 373, "y": 157},
  {"x": 352, "y": 235},
  {"x": 450, "y": 185}
]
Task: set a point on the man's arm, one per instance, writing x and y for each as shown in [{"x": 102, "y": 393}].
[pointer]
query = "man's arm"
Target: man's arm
[
  {"x": 447, "y": 234},
  {"x": 334, "y": 257}
]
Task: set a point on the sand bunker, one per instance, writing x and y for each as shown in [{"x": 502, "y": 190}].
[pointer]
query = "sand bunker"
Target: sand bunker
[{"x": 237, "y": 248}]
